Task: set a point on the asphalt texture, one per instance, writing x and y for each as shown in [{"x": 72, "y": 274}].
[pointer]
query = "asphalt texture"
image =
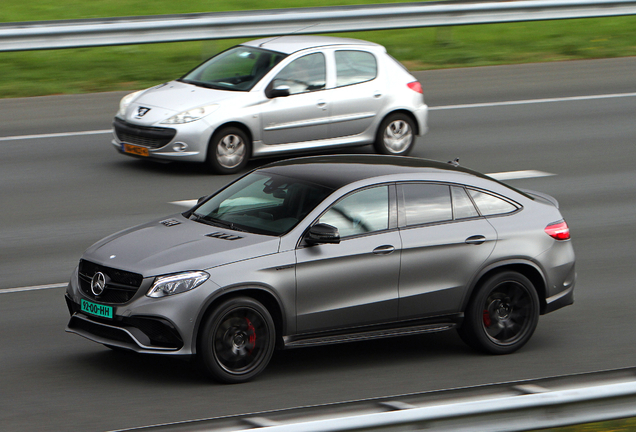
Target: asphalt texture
[{"x": 60, "y": 194}]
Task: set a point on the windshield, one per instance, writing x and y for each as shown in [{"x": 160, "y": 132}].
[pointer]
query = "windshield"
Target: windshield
[
  {"x": 262, "y": 203},
  {"x": 238, "y": 69}
]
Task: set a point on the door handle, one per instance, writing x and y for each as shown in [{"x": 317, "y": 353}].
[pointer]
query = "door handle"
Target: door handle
[
  {"x": 383, "y": 250},
  {"x": 377, "y": 95},
  {"x": 476, "y": 239},
  {"x": 322, "y": 104}
]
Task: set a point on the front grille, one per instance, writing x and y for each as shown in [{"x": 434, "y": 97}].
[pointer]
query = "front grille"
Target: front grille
[
  {"x": 160, "y": 332},
  {"x": 121, "y": 286},
  {"x": 105, "y": 332},
  {"x": 152, "y": 137}
]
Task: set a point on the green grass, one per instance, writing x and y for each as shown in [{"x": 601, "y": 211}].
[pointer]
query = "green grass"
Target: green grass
[{"x": 130, "y": 67}]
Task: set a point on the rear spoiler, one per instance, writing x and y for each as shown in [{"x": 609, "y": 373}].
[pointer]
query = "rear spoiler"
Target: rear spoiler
[{"x": 542, "y": 197}]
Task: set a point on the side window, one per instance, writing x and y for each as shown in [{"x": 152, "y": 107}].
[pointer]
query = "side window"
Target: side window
[
  {"x": 490, "y": 205},
  {"x": 353, "y": 67},
  {"x": 462, "y": 205},
  {"x": 360, "y": 212},
  {"x": 426, "y": 203},
  {"x": 304, "y": 74}
]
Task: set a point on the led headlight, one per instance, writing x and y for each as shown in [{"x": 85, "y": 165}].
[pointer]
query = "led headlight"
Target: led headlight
[
  {"x": 191, "y": 115},
  {"x": 126, "y": 101},
  {"x": 177, "y": 283}
]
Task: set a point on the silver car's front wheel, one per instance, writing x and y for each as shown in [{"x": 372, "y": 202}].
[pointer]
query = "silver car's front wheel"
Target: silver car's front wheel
[
  {"x": 396, "y": 135},
  {"x": 229, "y": 150}
]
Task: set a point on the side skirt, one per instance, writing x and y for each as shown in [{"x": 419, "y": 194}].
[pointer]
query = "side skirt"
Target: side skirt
[{"x": 362, "y": 334}]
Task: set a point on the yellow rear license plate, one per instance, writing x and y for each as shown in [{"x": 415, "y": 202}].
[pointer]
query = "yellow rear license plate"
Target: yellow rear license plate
[{"x": 136, "y": 150}]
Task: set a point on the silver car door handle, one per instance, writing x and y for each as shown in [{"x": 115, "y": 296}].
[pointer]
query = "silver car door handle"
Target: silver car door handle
[
  {"x": 322, "y": 104},
  {"x": 476, "y": 239},
  {"x": 383, "y": 250},
  {"x": 377, "y": 95}
]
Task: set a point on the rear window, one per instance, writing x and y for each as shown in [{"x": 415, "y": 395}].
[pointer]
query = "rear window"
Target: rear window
[{"x": 490, "y": 205}]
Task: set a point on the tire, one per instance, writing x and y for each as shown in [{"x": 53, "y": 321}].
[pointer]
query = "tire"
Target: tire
[
  {"x": 229, "y": 150},
  {"x": 502, "y": 315},
  {"x": 396, "y": 135},
  {"x": 237, "y": 341}
]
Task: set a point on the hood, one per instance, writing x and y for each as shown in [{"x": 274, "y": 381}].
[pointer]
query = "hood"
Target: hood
[
  {"x": 173, "y": 98},
  {"x": 177, "y": 244}
]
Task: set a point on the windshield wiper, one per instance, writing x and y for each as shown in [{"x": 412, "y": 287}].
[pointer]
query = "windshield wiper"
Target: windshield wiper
[{"x": 215, "y": 222}]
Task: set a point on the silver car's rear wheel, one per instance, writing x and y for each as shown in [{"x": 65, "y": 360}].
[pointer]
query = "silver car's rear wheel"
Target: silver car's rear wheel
[
  {"x": 396, "y": 135},
  {"x": 237, "y": 340},
  {"x": 503, "y": 314},
  {"x": 229, "y": 150}
]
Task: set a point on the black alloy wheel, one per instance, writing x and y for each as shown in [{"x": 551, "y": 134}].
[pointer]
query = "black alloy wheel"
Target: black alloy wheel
[
  {"x": 237, "y": 340},
  {"x": 502, "y": 315}
]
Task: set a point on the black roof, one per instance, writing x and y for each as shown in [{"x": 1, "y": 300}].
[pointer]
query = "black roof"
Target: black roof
[{"x": 336, "y": 171}]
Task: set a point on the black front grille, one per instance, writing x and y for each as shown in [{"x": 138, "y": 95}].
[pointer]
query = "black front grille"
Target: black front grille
[
  {"x": 105, "y": 332},
  {"x": 121, "y": 286},
  {"x": 152, "y": 137}
]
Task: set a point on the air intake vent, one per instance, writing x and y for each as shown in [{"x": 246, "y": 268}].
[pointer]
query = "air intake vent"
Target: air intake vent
[
  {"x": 170, "y": 222},
  {"x": 224, "y": 236}
]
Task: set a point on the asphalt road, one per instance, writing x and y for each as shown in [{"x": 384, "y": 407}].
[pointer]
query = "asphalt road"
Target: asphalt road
[{"x": 59, "y": 194}]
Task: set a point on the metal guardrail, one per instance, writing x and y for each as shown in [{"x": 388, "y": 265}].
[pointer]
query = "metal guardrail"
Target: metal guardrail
[
  {"x": 226, "y": 25},
  {"x": 506, "y": 407}
]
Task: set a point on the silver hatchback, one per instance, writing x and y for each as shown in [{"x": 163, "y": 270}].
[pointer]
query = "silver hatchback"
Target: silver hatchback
[
  {"x": 273, "y": 96},
  {"x": 324, "y": 250}
]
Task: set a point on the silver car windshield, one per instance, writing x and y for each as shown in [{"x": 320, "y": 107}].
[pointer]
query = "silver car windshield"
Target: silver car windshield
[
  {"x": 262, "y": 203},
  {"x": 237, "y": 69}
]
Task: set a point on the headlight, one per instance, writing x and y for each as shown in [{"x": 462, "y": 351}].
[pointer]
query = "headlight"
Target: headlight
[
  {"x": 191, "y": 115},
  {"x": 177, "y": 283},
  {"x": 126, "y": 101}
]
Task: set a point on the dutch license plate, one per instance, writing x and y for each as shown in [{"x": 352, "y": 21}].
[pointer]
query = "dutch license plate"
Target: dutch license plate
[
  {"x": 136, "y": 150},
  {"x": 96, "y": 309}
]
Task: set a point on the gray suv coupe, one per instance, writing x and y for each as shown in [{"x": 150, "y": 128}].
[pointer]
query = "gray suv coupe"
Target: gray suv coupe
[
  {"x": 283, "y": 95},
  {"x": 328, "y": 249}
]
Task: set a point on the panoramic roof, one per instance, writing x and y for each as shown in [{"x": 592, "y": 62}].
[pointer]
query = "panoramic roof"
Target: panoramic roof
[{"x": 291, "y": 44}]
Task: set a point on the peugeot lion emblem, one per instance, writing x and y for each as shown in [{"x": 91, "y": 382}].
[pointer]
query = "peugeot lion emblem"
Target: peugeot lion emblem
[{"x": 98, "y": 283}]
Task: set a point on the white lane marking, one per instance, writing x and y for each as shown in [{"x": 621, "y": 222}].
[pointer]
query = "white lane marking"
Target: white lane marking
[
  {"x": 33, "y": 288},
  {"x": 512, "y": 175},
  {"x": 532, "y": 101},
  {"x": 438, "y": 108},
  {"x": 185, "y": 203},
  {"x": 55, "y": 135}
]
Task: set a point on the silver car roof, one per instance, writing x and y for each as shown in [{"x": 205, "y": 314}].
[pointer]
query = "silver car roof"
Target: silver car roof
[{"x": 292, "y": 44}]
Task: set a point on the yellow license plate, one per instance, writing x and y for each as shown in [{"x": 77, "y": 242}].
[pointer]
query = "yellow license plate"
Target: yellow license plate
[{"x": 136, "y": 150}]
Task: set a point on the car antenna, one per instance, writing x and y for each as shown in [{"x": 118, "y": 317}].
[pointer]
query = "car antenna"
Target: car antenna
[
  {"x": 294, "y": 32},
  {"x": 454, "y": 162}
]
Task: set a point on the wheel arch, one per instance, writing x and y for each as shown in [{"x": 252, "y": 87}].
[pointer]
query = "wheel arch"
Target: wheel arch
[
  {"x": 399, "y": 111},
  {"x": 261, "y": 294},
  {"x": 526, "y": 268},
  {"x": 236, "y": 124}
]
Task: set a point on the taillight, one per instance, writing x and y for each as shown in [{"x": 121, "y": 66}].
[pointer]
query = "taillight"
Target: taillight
[
  {"x": 415, "y": 86},
  {"x": 558, "y": 230}
]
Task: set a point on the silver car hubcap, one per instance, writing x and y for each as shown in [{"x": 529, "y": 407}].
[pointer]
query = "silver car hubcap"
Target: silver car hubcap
[
  {"x": 397, "y": 136},
  {"x": 230, "y": 151}
]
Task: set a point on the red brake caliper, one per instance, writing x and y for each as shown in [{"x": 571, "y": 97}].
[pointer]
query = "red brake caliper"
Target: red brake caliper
[
  {"x": 487, "y": 321},
  {"x": 251, "y": 331}
]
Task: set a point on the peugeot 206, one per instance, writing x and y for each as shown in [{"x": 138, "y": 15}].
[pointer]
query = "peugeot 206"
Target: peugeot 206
[{"x": 275, "y": 96}]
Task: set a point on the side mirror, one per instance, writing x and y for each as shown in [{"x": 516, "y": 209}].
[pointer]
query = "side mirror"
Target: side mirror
[
  {"x": 280, "y": 91},
  {"x": 322, "y": 233}
]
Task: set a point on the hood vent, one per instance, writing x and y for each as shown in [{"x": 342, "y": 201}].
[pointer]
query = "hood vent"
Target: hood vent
[
  {"x": 170, "y": 222},
  {"x": 223, "y": 236}
]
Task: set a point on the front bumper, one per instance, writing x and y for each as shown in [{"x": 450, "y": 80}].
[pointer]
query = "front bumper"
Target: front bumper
[
  {"x": 137, "y": 333},
  {"x": 187, "y": 142}
]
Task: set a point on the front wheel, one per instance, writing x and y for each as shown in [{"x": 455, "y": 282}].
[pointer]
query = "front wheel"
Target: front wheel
[
  {"x": 502, "y": 315},
  {"x": 396, "y": 135},
  {"x": 237, "y": 340},
  {"x": 229, "y": 150}
]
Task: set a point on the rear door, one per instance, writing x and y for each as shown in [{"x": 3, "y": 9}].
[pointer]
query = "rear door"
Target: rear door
[{"x": 444, "y": 243}]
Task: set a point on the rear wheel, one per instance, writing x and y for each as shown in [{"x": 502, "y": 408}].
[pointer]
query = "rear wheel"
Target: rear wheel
[
  {"x": 502, "y": 315},
  {"x": 229, "y": 150},
  {"x": 396, "y": 135},
  {"x": 237, "y": 340}
]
